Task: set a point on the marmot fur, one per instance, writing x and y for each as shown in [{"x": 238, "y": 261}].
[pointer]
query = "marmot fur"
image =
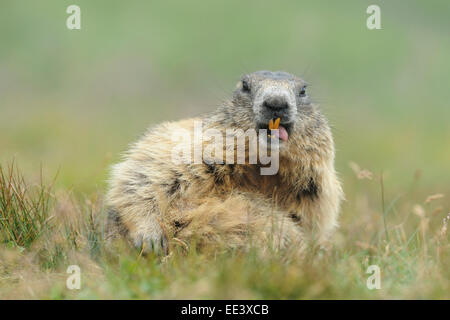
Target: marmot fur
[{"x": 154, "y": 201}]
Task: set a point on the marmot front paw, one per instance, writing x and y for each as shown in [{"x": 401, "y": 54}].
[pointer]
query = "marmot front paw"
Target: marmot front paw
[{"x": 150, "y": 242}]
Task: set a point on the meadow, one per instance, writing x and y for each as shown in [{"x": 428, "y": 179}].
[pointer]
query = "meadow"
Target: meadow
[{"x": 72, "y": 100}]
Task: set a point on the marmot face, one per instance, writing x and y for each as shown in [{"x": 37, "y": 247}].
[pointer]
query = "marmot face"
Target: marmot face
[{"x": 263, "y": 97}]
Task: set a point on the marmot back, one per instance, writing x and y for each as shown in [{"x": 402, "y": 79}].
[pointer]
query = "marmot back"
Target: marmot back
[{"x": 207, "y": 178}]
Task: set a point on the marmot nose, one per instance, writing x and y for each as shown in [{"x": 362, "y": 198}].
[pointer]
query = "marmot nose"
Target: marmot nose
[{"x": 275, "y": 103}]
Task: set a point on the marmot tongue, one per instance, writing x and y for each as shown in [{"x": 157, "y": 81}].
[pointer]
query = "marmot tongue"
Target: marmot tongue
[
  {"x": 283, "y": 133},
  {"x": 278, "y": 130}
]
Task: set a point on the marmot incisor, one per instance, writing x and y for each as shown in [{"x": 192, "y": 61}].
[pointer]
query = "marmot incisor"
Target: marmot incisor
[{"x": 153, "y": 201}]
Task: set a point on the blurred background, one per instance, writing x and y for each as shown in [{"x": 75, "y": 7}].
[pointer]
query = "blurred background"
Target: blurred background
[{"x": 72, "y": 100}]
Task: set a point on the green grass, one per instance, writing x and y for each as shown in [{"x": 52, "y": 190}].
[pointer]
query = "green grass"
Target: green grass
[
  {"x": 23, "y": 212},
  {"x": 71, "y": 102},
  {"x": 411, "y": 247}
]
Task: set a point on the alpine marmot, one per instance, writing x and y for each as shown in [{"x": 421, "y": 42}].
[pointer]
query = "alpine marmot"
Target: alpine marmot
[{"x": 154, "y": 201}]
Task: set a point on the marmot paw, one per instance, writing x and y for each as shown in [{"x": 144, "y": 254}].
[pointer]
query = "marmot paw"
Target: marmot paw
[{"x": 151, "y": 243}]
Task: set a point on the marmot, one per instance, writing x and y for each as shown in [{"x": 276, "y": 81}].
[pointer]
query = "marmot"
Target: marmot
[{"x": 153, "y": 201}]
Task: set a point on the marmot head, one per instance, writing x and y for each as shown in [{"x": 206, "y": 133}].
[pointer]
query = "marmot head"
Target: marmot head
[{"x": 267, "y": 100}]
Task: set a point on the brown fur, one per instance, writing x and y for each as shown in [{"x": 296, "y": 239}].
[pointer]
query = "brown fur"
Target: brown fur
[{"x": 153, "y": 201}]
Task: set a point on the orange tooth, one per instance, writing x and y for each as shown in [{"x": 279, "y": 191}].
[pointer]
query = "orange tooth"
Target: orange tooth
[
  {"x": 271, "y": 124},
  {"x": 277, "y": 124}
]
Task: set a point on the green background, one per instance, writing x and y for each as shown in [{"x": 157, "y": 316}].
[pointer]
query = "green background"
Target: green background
[{"x": 72, "y": 100}]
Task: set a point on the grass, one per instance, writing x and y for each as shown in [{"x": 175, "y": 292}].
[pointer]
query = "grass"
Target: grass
[
  {"x": 24, "y": 211},
  {"x": 407, "y": 240}
]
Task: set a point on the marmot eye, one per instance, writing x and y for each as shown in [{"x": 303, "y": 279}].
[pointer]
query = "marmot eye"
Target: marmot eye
[
  {"x": 303, "y": 91},
  {"x": 245, "y": 86}
]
